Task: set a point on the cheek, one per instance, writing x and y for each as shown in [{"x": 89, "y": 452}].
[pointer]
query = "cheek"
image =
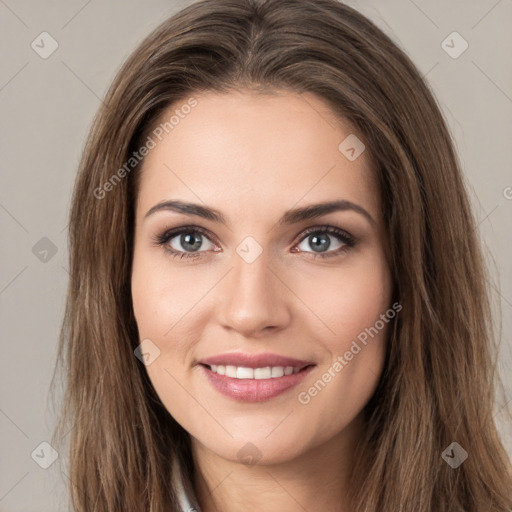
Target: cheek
[
  {"x": 166, "y": 303},
  {"x": 160, "y": 298},
  {"x": 159, "y": 305},
  {"x": 358, "y": 299},
  {"x": 348, "y": 300}
]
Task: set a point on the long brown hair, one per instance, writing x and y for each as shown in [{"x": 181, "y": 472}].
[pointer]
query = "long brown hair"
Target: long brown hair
[{"x": 437, "y": 386}]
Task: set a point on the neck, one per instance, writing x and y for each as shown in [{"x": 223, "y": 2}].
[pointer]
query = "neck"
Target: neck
[{"x": 317, "y": 479}]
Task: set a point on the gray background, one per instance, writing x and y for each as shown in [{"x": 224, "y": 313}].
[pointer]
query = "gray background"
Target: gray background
[{"x": 47, "y": 106}]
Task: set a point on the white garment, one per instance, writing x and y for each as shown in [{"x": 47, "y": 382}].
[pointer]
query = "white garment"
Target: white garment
[{"x": 186, "y": 502}]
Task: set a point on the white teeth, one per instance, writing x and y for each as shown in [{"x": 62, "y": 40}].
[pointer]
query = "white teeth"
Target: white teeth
[
  {"x": 241, "y": 372},
  {"x": 263, "y": 373},
  {"x": 244, "y": 373},
  {"x": 277, "y": 371},
  {"x": 231, "y": 371}
]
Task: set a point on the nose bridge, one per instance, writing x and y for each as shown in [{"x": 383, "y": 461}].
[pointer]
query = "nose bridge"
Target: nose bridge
[
  {"x": 252, "y": 296},
  {"x": 251, "y": 277}
]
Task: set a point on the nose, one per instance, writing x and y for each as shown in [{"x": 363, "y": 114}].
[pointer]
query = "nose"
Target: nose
[{"x": 252, "y": 300}]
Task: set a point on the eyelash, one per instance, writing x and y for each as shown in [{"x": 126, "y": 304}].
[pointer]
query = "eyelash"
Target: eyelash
[{"x": 161, "y": 240}]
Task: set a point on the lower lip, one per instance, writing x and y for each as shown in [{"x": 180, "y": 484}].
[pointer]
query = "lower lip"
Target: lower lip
[{"x": 254, "y": 390}]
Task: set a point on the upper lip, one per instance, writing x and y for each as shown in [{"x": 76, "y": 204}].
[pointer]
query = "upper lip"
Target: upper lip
[{"x": 254, "y": 360}]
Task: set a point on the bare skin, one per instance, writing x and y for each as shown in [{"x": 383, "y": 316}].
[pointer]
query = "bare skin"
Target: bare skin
[{"x": 252, "y": 157}]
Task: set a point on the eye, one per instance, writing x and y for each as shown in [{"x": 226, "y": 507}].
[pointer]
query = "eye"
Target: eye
[
  {"x": 319, "y": 239},
  {"x": 185, "y": 242},
  {"x": 191, "y": 241}
]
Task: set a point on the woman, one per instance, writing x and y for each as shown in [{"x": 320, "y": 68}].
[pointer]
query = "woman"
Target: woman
[{"x": 270, "y": 193}]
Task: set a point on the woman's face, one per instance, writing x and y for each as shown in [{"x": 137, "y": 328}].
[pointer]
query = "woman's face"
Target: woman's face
[{"x": 260, "y": 276}]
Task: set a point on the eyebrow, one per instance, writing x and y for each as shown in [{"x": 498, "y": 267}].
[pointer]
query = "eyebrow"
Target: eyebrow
[{"x": 292, "y": 216}]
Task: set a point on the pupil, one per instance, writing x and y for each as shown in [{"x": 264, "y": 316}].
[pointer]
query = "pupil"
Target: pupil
[
  {"x": 193, "y": 246},
  {"x": 322, "y": 242}
]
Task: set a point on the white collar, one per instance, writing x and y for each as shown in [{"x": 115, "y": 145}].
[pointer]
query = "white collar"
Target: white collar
[{"x": 185, "y": 500}]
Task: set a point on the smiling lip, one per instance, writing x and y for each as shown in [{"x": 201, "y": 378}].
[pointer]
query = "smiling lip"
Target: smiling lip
[{"x": 254, "y": 390}]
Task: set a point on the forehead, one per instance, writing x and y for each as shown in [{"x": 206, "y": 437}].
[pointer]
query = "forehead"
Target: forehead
[{"x": 250, "y": 150}]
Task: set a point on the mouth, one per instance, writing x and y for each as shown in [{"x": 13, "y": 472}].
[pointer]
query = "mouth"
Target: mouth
[
  {"x": 253, "y": 361},
  {"x": 244, "y": 384}
]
